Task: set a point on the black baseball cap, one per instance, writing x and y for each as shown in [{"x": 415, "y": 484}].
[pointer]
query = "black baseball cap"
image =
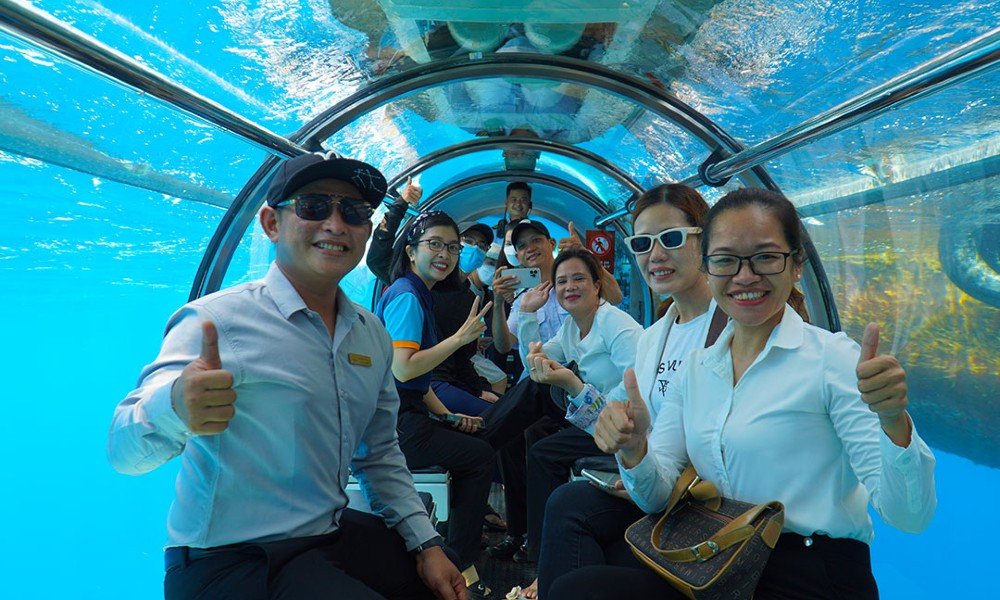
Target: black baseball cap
[
  {"x": 301, "y": 170},
  {"x": 525, "y": 224},
  {"x": 484, "y": 230}
]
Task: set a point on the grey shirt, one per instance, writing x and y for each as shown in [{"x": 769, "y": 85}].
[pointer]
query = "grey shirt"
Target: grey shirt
[{"x": 308, "y": 408}]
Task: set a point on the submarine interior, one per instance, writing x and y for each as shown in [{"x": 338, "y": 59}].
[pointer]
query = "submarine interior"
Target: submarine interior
[{"x": 137, "y": 140}]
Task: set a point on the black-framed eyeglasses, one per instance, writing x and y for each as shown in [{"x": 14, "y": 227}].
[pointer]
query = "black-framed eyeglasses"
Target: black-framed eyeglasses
[
  {"x": 670, "y": 239},
  {"x": 319, "y": 207},
  {"x": 437, "y": 245},
  {"x": 762, "y": 263}
]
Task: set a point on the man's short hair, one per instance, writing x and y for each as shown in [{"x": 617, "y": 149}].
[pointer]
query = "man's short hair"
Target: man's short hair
[
  {"x": 519, "y": 185},
  {"x": 296, "y": 172}
]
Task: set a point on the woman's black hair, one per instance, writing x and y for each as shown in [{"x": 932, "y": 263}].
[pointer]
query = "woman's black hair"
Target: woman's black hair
[
  {"x": 782, "y": 209},
  {"x": 417, "y": 227},
  {"x": 773, "y": 202},
  {"x": 502, "y": 259},
  {"x": 593, "y": 267}
]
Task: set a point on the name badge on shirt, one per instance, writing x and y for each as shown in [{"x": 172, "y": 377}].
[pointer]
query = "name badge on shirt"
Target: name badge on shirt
[{"x": 359, "y": 359}]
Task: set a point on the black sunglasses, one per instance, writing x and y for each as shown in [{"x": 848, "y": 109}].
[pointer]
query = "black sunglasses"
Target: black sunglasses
[{"x": 319, "y": 207}]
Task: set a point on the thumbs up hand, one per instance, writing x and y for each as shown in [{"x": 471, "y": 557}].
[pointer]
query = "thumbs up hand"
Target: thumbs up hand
[
  {"x": 622, "y": 426},
  {"x": 412, "y": 192},
  {"x": 572, "y": 241},
  {"x": 203, "y": 395},
  {"x": 882, "y": 383}
]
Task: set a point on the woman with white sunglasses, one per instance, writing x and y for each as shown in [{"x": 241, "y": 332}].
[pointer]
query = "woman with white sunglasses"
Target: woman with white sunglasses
[{"x": 583, "y": 524}]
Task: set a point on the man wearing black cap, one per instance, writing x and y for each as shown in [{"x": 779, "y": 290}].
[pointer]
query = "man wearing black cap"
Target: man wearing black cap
[
  {"x": 534, "y": 247},
  {"x": 270, "y": 392}
]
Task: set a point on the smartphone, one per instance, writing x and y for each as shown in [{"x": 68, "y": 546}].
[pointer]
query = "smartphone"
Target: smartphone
[
  {"x": 452, "y": 418},
  {"x": 448, "y": 418},
  {"x": 602, "y": 479},
  {"x": 526, "y": 278}
]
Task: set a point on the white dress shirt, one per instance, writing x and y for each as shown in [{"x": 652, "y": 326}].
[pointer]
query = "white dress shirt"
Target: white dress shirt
[
  {"x": 602, "y": 356},
  {"x": 793, "y": 429}
]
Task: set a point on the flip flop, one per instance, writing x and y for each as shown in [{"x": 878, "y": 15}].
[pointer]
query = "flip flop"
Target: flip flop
[{"x": 497, "y": 524}]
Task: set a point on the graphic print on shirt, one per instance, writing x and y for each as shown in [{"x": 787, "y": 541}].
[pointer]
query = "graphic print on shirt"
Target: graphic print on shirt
[
  {"x": 683, "y": 338},
  {"x": 667, "y": 365}
]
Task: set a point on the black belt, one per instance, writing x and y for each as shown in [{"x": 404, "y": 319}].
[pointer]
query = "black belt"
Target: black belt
[
  {"x": 180, "y": 556},
  {"x": 824, "y": 543}
]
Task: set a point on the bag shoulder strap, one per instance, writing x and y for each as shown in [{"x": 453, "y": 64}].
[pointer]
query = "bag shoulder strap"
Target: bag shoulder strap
[
  {"x": 690, "y": 484},
  {"x": 719, "y": 320},
  {"x": 736, "y": 531}
]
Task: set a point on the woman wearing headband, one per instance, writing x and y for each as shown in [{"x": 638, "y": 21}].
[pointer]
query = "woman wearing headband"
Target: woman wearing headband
[{"x": 430, "y": 434}]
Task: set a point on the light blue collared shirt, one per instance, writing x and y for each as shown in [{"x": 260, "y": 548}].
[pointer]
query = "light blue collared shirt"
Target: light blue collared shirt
[{"x": 308, "y": 408}]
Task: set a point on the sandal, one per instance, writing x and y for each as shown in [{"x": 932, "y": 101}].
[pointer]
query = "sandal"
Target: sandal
[
  {"x": 493, "y": 521},
  {"x": 519, "y": 593}
]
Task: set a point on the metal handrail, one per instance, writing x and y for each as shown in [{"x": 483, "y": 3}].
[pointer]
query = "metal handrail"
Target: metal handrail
[
  {"x": 48, "y": 34},
  {"x": 951, "y": 68},
  {"x": 582, "y": 155}
]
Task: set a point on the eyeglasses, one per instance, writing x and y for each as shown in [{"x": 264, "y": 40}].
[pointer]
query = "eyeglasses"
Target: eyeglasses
[
  {"x": 437, "y": 246},
  {"x": 670, "y": 239},
  {"x": 319, "y": 207},
  {"x": 471, "y": 241},
  {"x": 762, "y": 263}
]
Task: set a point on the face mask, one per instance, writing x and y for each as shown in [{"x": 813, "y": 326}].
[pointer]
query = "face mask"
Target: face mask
[
  {"x": 486, "y": 273},
  {"x": 511, "y": 255},
  {"x": 471, "y": 258}
]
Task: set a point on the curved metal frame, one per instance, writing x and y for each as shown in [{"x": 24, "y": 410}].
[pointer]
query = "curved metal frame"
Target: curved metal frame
[
  {"x": 67, "y": 43},
  {"x": 57, "y": 38},
  {"x": 586, "y": 157},
  {"x": 209, "y": 278},
  {"x": 951, "y": 68},
  {"x": 522, "y": 66},
  {"x": 530, "y": 176}
]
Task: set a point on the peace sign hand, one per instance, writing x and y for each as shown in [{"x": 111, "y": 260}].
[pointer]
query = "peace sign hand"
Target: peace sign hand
[{"x": 474, "y": 325}]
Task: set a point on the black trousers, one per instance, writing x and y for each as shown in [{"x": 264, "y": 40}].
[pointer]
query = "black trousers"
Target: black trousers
[
  {"x": 522, "y": 416},
  {"x": 549, "y": 462},
  {"x": 584, "y": 526},
  {"x": 362, "y": 560},
  {"x": 471, "y": 460},
  {"x": 829, "y": 569}
]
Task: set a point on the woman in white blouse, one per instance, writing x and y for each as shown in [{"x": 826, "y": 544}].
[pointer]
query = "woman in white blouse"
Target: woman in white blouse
[
  {"x": 775, "y": 410},
  {"x": 601, "y": 339}
]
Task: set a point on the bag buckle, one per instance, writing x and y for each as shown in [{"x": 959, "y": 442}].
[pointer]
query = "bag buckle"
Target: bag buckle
[{"x": 712, "y": 547}]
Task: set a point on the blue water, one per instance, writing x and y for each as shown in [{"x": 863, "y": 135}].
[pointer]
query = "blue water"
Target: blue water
[
  {"x": 90, "y": 274},
  {"x": 90, "y": 269}
]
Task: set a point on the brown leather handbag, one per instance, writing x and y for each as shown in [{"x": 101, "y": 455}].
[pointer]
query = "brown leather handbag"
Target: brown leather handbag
[{"x": 707, "y": 546}]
